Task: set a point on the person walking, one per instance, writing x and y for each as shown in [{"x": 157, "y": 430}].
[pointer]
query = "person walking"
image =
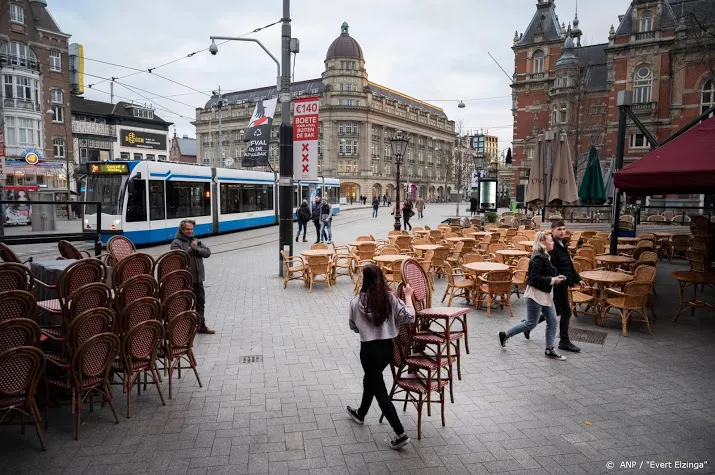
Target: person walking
[
  {"x": 375, "y": 206},
  {"x": 420, "y": 206},
  {"x": 303, "y": 214},
  {"x": 541, "y": 279},
  {"x": 186, "y": 241},
  {"x": 315, "y": 214},
  {"x": 326, "y": 217},
  {"x": 384, "y": 200},
  {"x": 561, "y": 260},
  {"x": 376, "y": 314},
  {"x": 473, "y": 203},
  {"x": 407, "y": 213}
]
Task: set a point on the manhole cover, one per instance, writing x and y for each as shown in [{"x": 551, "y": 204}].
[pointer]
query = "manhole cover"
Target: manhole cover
[
  {"x": 252, "y": 359},
  {"x": 588, "y": 336}
]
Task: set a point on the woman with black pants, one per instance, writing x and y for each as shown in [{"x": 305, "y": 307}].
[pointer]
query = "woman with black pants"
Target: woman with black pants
[
  {"x": 376, "y": 314},
  {"x": 407, "y": 214}
]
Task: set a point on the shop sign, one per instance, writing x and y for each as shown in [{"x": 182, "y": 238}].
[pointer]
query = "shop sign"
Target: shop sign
[
  {"x": 31, "y": 156},
  {"x": 146, "y": 140}
]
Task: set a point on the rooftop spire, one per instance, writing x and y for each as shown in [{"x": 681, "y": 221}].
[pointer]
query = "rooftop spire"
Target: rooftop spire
[
  {"x": 344, "y": 28},
  {"x": 576, "y": 31}
]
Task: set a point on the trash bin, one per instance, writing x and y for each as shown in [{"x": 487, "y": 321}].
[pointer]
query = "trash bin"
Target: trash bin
[{"x": 43, "y": 216}]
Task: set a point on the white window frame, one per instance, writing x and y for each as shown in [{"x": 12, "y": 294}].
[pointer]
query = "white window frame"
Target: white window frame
[
  {"x": 17, "y": 13},
  {"x": 642, "y": 85},
  {"x": 538, "y": 61},
  {"x": 58, "y": 147},
  {"x": 638, "y": 141},
  {"x": 19, "y": 129},
  {"x": 707, "y": 96},
  {"x": 646, "y": 22},
  {"x": 57, "y": 96},
  {"x": 563, "y": 113},
  {"x": 55, "y": 59},
  {"x": 58, "y": 114}
]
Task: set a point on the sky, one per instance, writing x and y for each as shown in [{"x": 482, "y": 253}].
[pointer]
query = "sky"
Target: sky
[{"x": 433, "y": 50}]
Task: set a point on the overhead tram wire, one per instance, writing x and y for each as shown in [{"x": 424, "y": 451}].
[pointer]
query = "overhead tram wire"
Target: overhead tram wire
[
  {"x": 144, "y": 90},
  {"x": 132, "y": 100},
  {"x": 150, "y": 70}
]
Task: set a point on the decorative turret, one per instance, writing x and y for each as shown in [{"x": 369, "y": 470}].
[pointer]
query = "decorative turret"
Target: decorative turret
[
  {"x": 576, "y": 31},
  {"x": 568, "y": 59}
]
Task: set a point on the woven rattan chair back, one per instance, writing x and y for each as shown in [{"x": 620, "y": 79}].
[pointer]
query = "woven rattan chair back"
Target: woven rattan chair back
[
  {"x": 364, "y": 238},
  {"x": 179, "y": 302},
  {"x": 636, "y": 295},
  {"x": 648, "y": 236},
  {"x": 78, "y": 274},
  {"x": 176, "y": 259},
  {"x": 141, "y": 310},
  {"x": 586, "y": 252},
  {"x": 365, "y": 251},
  {"x": 498, "y": 281},
  {"x": 18, "y": 332},
  {"x": 134, "y": 288},
  {"x": 388, "y": 251},
  {"x": 472, "y": 257},
  {"x": 69, "y": 251},
  {"x": 414, "y": 275},
  {"x": 118, "y": 248},
  {"x": 88, "y": 324},
  {"x": 17, "y": 304},
  {"x": 14, "y": 276},
  {"x": 182, "y": 329},
  {"x": 93, "y": 360},
  {"x": 20, "y": 371},
  {"x": 585, "y": 262},
  {"x": 134, "y": 264},
  {"x": 174, "y": 282},
  {"x": 319, "y": 245},
  {"x": 697, "y": 259},
  {"x": 7, "y": 254},
  {"x": 645, "y": 273},
  {"x": 403, "y": 242},
  {"x": 88, "y": 297}
]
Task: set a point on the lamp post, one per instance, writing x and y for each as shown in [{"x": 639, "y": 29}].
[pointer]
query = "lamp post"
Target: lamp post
[{"x": 398, "y": 144}]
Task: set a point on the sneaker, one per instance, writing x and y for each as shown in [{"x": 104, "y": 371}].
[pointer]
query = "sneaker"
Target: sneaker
[
  {"x": 356, "y": 417},
  {"x": 396, "y": 443},
  {"x": 502, "y": 340},
  {"x": 550, "y": 353},
  {"x": 566, "y": 345},
  {"x": 296, "y": 239},
  {"x": 305, "y": 240},
  {"x": 207, "y": 330},
  {"x": 527, "y": 333}
]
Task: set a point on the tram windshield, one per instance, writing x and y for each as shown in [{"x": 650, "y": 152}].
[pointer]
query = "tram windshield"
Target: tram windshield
[{"x": 105, "y": 189}]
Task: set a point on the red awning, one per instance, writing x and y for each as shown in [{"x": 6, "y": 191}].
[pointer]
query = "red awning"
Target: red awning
[{"x": 684, "y": 165}]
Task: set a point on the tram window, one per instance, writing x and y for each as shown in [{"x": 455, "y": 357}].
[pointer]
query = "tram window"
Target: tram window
[
  {"x": 187, "y": 199},
  {"x": 333, "y": 194},
  {"x": 239, "y": 198},
  {"x": 136, "y": 201},
  {"x": 230, "y": 198},
  {"x": 156, "y": 199}
]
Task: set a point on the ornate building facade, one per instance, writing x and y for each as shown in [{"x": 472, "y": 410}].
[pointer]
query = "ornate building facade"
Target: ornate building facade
[
  {"x": 661, "y": 50},
  {"x": 357, "y": 120}
]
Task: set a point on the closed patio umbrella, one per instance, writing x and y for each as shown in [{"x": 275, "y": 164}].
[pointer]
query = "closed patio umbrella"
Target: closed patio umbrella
[
  {"x": 592, "y": 190},
  {"x": 563, "y": 181},
  {"x": 535, "y": 187},
  {"x": 608, "y": 180}
]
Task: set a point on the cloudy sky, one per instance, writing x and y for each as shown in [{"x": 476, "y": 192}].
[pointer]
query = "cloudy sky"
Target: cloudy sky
[{"x": 434, "y": 50}]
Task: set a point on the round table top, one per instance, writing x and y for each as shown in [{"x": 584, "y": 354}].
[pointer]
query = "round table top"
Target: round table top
[
  {"x": 512, "y": 252},
  {"x": 705, "y": 278},
  {"x": 628, "y": 239},
  {"x": 527, "y": 243},
  {"x": 664, "y": 235},
  {"x": 482, "y": 233},
  {"x": 485, "y": 266},
  {"x": 357, "y": 243},
  {"x": 317, "y": 252},
  {"x": 457, "y": 239},
  {"x": 391, "y": 258},
  {"x": 427, "y": 247},
  {"x": 614, "y": 259},
  {"x": 606, "y": 276},
  {"x": 626, "y": 247},
  {"x": 421, "y": 231}
]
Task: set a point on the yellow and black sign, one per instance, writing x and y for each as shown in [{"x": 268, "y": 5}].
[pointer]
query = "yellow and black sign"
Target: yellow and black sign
[
  {"x": 108, "y": 168},
  {"x": 139, "y": 139}
]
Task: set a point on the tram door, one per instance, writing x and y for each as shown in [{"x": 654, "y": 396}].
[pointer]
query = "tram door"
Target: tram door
[{"x": 157, "y": 211}]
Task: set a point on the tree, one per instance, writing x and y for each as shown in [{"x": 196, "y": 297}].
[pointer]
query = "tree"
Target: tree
[{"x": 459, "y": 162}]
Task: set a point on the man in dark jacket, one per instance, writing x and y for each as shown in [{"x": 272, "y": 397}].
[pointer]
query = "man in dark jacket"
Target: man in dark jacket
[
  {"x": 185, "y": 241},
  {"x": 315, "y": 213},
  {"x": 561, "y": 260}
]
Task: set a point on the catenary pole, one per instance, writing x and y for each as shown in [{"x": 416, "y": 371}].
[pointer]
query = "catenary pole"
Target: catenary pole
[{"x": 285, "y": 195}]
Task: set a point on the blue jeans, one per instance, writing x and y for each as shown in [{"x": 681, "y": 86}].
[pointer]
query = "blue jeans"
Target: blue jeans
[
  {"x": 302, "y": 227},
  {"x": 374, "y": 212},
  {"x": 326, "y": 234},
  {"x": 533, "y": 311}
]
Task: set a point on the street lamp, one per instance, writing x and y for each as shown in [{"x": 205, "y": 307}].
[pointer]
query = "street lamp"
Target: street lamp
[{"x": 398, "y": 143}]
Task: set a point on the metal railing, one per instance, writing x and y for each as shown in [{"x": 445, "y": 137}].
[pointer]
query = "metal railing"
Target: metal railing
[{"x": 23, "y": 104}]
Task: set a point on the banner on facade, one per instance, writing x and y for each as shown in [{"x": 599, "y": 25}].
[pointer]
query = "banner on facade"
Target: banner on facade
[
  {"x": 258, "y": 134},
  {"x": 305, "y": 138}
]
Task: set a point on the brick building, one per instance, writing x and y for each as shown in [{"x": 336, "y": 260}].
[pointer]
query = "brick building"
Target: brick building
[
  {"x": 182, "y": 149},
  {"x": 661, "y": 50},
  {"x": 35, "y": 97}
]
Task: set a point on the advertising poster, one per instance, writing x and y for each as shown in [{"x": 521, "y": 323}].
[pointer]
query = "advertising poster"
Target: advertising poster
[
  {"x": 488, "y": 194},
  {"x": 305, "y": 138},
  {"x": 18, "y": 213},
  {"x": 258, "y": 134}
]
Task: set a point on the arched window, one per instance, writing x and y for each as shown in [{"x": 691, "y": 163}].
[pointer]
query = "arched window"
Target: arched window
[
  {"x": 642, "y": 85},
  {"x": 646, "y": 23},
  {"x": 537, "y": 61},
  {"x": 18, "y": 54},
  {"x": 708, "y": 96}
]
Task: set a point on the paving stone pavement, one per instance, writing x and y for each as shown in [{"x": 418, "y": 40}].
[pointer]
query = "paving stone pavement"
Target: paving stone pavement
[{"x": 639, "y": 398}]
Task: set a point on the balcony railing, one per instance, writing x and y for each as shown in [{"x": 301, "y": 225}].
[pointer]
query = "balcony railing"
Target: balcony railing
[
  {"x": 21, "y": 104},
  {"x": 541, "y": 75},
  {"x": 345, "y": 133},
  {"x": 92, "y": 128},
  {"x": 645, "y": 35},
  {"x": 19, "y": 62},
  {"x": 644, "y": 107}
]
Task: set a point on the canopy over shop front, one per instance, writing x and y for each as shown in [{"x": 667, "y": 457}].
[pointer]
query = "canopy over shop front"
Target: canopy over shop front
[{"x": 686, "y": 164}]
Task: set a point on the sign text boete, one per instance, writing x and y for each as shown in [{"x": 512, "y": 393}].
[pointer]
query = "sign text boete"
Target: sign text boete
[{"x": 305, "y": 138}]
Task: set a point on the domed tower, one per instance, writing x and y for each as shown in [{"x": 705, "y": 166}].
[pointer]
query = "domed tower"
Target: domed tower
[{"x": 345, "y": 64}]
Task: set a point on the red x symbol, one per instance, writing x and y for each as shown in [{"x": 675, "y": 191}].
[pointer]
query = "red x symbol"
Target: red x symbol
[
  {"x": 305, "y": 147},
  {"x": 305, "y": 157},
  {"x": 305, "y": 168}
]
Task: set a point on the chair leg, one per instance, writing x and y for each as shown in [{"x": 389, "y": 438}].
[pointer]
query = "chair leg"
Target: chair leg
[
  {"x": 441, "y": 401},
  {"x": 445, "y": 293},
  {"x": 192, "y": 361},
  {"x": 156, "y": 383},
  {"x": 111, "y": 404},
  {"x": 420, "y": 403},
  {"x": 170, "y": 378},
  {"x": 465, "y": 330},
  {"x": 129, "y": 396},
  {"x": 624, "y": 321},
  {"x": 35, "y": 414}
]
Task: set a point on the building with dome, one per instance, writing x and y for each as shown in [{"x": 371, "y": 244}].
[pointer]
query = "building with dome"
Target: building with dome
[{"x": 357, "y": 119}]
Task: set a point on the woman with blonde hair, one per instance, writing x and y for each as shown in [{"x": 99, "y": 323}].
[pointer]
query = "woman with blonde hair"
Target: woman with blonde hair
[{"x": 540, "y": 281}]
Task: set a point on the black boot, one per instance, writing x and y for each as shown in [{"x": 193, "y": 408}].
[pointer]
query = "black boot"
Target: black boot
[{"x": 566, "y": 345}]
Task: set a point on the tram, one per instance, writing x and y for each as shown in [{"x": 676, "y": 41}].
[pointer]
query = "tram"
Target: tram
[{"x": 146, "y": 200}]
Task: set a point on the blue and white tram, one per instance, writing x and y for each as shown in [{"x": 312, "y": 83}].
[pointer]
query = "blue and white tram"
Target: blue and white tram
[{"x": 147, "y": 200}]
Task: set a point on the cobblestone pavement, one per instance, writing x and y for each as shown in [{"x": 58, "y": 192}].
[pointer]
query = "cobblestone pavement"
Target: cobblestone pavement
[{"x": 639, "y": 398}]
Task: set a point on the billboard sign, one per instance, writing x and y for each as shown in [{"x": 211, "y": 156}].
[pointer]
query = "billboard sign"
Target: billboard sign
[
  {"x": 488, "y": 194},
  {"x": 305, "y": 138},
  {"x": 258, "y": 134},
  {"x": 146, "y": 140}
]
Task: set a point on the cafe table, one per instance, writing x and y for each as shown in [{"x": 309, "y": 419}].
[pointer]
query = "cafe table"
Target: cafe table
[
  {"x": 627, "y": 248},
  {"x": 427, "y": 247},
  {"x": 528, "y": 244},
  {"x": 628, "y": 240},
  {"x": 686, "y": 279},
  {"x": 317, "y": 252},
  {"x": 481, "y": 233},
  {"x": 387, "y": 258},
  {"x": 49, "y": 273},
  {"x": 478, "y": 268},
  {"x": 421, "y": 232},
  {"x": 612, "y": 262},
  {"x": 603, "y": 279},
  {"x": 458, "y": 239},
  {"x": 357, "y": 243},
  {"x": 510, "y": 255}
]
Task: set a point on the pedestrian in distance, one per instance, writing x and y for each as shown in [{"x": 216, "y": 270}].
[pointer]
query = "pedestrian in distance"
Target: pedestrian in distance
[
  {"x": 303, "y": 213},
  {"x": 473, "y": 203},
  {"x": 384, "y": 200},
  {"x": 541, "y": 279},
  {"x": 315, "y": 213},
  {"x": 420, "y": 206},
  {"x": 326, "y": 218},
  {"x": 186, "y": 241},
  {"x": 407, "y": 213},
  {"x": 376, "y": 314},
  {"x": 375, "y": 206}
]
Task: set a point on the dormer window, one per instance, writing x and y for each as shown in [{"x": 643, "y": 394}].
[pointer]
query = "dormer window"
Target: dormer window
[
  {"x": 17, "y": 13},
  {"x": 143, "y": 113},
  {"x": 646, "y": 23},
  {"x": 537, "y": 62}
]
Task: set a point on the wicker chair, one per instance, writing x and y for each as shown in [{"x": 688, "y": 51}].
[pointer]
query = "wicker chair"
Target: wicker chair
[
  {"x": 364, "y": 251},
  {"x": 518, "y": 280},
  {"x": 76, "y": 275},
  {"x": 472, "y": 257},
  {"x": 388, "y": 251},
  {"x": 319, "y": 245},
  {"x": 492, "y": 285},
  {"x": 139, "y": 311},
  {"x": 179, "y": 344},
  {"x": 139, "y": 355},
  {"x": 698, "y": 261},
  {"x": 134, "y": 264},
  {"x": 342, "y": 263},
  {"x": 456, "y": 286},
  {"x": 174, "y": 282},
  {"x": 293, "y": 269},
  {"x": 7, "y": 255},
  {"x": 119, "y": 247},
  {"x": 361, "y": 265},
  {"x": 18, "y": 332},
  {"x": 632, "y": 300},
  {"x": 392, "y": 272},
  {"x": 492, "y": 250},
  {"x": 365, "y": 238},
  {"x": 14, "y": 276},
  {"x": 20, "y": 370},
  {"x": 69, "y": 251},
  {"x": 404, "y": 243},
  {"x": 455, "y": 259},
  {"x": 318, "y": 266},
  {"x": 176, "y": 303},
  {"x": 439, "y": 259},
  {"x": 134, "y": 288},
  {"x": 89, "y": 297},
  {"x": 17, "y": 304},
  {"x": 175, "y": 259},
  {"x": 647, "y": 258}
]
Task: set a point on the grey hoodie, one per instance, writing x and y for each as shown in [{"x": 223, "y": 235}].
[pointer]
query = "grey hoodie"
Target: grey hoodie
[{"x": 197, "y": 255}]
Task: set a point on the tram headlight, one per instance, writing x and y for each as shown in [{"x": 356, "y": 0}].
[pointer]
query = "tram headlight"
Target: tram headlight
[
  {"x": 115, "y": 222},
  {"x": 86, "y": 221}
]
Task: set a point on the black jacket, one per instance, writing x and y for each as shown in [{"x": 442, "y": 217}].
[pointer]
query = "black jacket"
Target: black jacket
[
  {"x": 197, "y": 255},
  {"x": 561, "y": 260},
  {"x": 540, "y": 272},
  {"x": 315, "y": 210},
  {"x": 303, "y": 213}
]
